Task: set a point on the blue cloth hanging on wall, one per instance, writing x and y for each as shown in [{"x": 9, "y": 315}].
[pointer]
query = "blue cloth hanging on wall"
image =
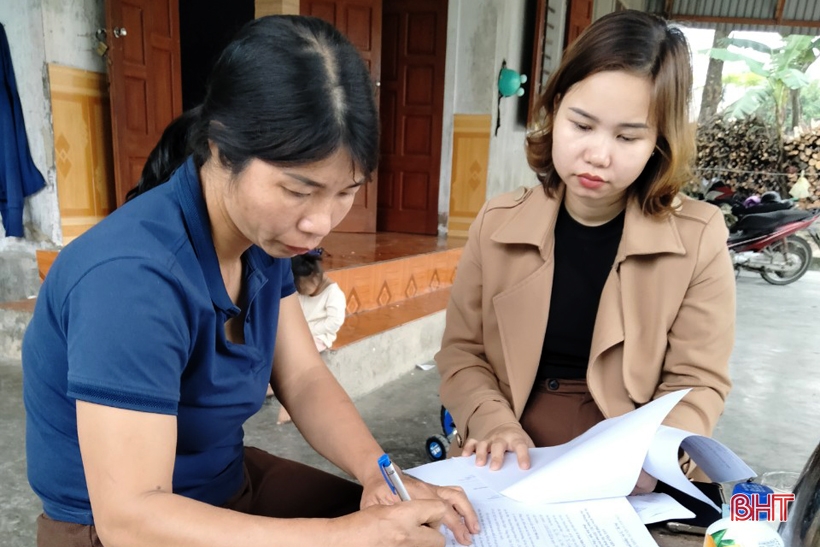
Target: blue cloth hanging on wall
[{"x": 19, "y": 177}]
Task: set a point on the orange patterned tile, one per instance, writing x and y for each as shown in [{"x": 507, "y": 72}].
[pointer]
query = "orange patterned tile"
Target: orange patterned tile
[
  {"x": 376, "y": 270},
  {"x": 361, "y": 325}
]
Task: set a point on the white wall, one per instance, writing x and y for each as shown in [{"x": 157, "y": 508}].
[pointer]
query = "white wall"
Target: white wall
[
  {"x": 602, "y": 7},
  {"x": 475, "y": 71},
  {"x": 450, "y": 63},
  {"x": 469, "y": 78},
  {"x": 508, "y": 168},
  {"x": 41, "y": 32},
  {"x": 69, "y": 27},
  {"x": 480, "y": 35}
]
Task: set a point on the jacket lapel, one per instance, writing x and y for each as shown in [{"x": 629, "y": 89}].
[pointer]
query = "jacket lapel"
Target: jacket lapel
[
  {"x": 643, "y": 236},
  {"x": 619, "y": 310},
  {"x": 609, "y": 322},
  {"x": 522, "y": 310},
  {"x": 533, "y": 223}
]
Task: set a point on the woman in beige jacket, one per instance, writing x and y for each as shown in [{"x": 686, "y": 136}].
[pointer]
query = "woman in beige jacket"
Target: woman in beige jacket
[{"x": 604, "y": 288}]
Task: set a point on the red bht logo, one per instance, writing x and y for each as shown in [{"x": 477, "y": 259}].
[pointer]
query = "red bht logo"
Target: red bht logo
[{"x": 752, "y": 507}]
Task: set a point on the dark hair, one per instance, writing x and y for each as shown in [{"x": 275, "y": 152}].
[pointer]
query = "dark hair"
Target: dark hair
[
  {"x": 288, "y": 90},
  {"x": 306, "y": 266},
  {"x": 169, "y": 153},
  {"x": 644, "y": 45}
]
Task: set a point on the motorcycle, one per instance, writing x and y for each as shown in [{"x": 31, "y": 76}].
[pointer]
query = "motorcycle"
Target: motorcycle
[
  {"x": 763, "y": 233},
  {"x": 768, "y": 243}
]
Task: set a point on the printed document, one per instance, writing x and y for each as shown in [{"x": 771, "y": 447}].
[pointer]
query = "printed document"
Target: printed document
[
  {"x": 505, "y": 522},
  {"x": 575, "y": 493}
]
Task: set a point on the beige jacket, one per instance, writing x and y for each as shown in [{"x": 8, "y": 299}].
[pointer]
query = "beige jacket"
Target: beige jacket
[{"x": 665, "y": 321}]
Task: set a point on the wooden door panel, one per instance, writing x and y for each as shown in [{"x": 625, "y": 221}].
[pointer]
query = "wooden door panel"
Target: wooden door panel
[
  {"x": 144, "y": 79},
  {"x": 420, "y": 81},
  {"x": 421, "y": 32},
  {"x": 82, "y": 147},
  {"x": 322, "y": 10},
  {"x": 579, "y": 18},
  {"x": 390, "y": 45},
  {"x": 161, "y": 20},
  {"x": 471, "y": 153},
  {"x": 414, "y": 190},
  {"x": 135, "y": 99},
  {"x": 387, "y": 112},
  {"x": 359, "y": 25},
  {"x": 386, "y": 192},
  {"x": 361, "y": 22},
  {"x": 416, "y": 138},
  {"x": 412, "y": 102},
  {"x": 132, "y": 19},
  {"x": 164, "y": 107}
]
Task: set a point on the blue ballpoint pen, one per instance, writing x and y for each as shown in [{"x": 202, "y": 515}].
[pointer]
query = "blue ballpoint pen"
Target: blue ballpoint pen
[{"x": 392, "y": 478}]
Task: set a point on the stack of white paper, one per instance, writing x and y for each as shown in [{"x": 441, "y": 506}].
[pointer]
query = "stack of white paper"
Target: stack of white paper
[{"x": 575, "y": 492}]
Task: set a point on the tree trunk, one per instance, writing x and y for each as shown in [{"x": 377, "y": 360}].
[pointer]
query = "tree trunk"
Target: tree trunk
[
  {"x": 713, "y": 89},
  {"x": 797, "y": 112}
]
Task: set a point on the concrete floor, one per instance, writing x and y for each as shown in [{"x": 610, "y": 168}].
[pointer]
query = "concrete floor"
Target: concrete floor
[{"x": 772, "y": 417}]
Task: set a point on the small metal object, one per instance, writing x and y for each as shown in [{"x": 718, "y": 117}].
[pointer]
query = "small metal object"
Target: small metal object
[
  {"x": 681, "y": 528},
  {"x": 119, "y": 32}
]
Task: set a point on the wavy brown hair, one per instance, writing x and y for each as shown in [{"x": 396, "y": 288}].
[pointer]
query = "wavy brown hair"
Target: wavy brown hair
[{"x": 643, "y": 45}]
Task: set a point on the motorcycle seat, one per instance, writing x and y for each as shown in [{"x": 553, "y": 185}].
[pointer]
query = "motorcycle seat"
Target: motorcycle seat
[
  {"x": 739, "y": 210},
  {"x": 766, "y": 222}
]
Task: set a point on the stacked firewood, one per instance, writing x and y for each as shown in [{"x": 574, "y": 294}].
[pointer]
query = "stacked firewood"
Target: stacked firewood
[
  {"x": 743, "y": 154},
  {"x": 801, "y": 156}
]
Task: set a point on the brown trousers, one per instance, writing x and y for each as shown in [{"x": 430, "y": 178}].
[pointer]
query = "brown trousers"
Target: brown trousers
[
  {"x": 558, "y": 411},
  {"x": 273, "y": 487}
]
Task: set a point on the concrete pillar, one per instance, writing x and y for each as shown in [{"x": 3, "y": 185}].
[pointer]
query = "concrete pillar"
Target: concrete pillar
[{"x": 276, "y": 7}]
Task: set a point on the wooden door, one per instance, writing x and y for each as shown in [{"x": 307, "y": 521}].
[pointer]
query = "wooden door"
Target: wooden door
[
  {"x": 361, "y": 22},
  {"x": 579, "y": 17},
  {"x": 412, "y": 102},
  {"x": 82, "y": 147},
  {"x": 144, "y": 80}
]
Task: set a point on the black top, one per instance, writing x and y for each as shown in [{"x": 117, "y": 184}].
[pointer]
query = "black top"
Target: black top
[{"x": 583, "y": 258}]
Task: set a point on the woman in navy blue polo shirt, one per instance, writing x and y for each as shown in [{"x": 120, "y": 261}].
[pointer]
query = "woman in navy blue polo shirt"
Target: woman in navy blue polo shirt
[{"x": 156, "y": 333}]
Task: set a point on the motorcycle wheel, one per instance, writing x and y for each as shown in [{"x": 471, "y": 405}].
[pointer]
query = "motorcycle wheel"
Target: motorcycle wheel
[
  {"x": 436, "y": 448},
  {"x": 793, "y": 248}
]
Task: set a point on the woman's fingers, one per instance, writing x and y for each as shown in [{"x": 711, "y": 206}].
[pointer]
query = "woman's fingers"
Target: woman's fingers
[
  {"x": 508, "y": 438},
  {"x": 482, "y": 449},
  {"x": 469, "y": 447},
  {"x": 522, "y": 452},
  {"x": 497, "y": 451}
]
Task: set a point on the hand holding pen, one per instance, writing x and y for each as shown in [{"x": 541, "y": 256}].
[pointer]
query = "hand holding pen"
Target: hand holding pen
[
  {"x": 460, "y": 517},
  {"x": 393, "y": 478}
]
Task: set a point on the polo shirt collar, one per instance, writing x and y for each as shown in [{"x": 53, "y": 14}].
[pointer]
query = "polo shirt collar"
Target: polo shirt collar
[{"x": 189, "y": 192}]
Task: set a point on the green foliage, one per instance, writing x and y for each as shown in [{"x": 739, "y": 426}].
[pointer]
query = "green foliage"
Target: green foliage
[
  {"x": 810, "y": 101},
  {"x": 755, "y": 100},
  {"x": 772, "y": 80},
  {"x": 743, "y": 79}
]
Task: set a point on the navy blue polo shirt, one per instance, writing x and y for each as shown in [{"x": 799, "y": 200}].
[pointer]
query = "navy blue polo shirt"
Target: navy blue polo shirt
[{"x": 132, "y": 316}]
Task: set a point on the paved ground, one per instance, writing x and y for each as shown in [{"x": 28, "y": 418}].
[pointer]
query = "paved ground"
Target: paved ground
[{"x": 772, "y": 418}]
